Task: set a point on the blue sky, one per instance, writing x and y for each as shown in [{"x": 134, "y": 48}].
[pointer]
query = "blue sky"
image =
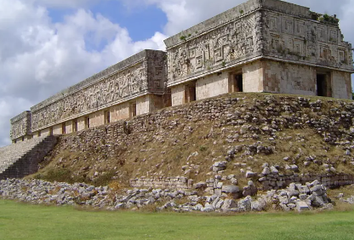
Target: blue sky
[
  {"x": 48, "y": 45},
  {"x": 141, "y": 20}
]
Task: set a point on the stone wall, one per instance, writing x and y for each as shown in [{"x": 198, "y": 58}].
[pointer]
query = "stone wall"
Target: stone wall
[
  {"x": 276, "y": 181},
  {"x": 289, "y": 78},
  {"x": 253, "y": 76},
  {"x": 214, "y": 85},
  {"x": 341, "y": 85},
  {"x": 21, "y": 126},
  {"x": 177, "y": 183},
  {"x": 141, "y": 74}
]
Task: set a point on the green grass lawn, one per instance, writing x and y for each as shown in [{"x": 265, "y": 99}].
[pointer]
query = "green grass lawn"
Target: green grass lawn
[{"x": 21, "y": 221}]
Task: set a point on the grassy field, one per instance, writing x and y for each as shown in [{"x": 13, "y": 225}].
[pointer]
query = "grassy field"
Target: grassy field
[{"x": 20, "y": 221}]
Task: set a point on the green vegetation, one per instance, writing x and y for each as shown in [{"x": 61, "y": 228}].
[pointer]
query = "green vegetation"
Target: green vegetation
[
  {"x": 183, "y": 38},
  {"x": 328, "y": 19},
  {"x": 20, "y": 221}
]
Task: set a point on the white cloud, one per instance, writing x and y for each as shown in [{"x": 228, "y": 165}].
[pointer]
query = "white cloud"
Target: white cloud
[
  {"x": 47, "y": 57},
  {"x": 64, "y": 3},
  {"x": 183, "y": 14},
  {"x": 39, "y": 58}
]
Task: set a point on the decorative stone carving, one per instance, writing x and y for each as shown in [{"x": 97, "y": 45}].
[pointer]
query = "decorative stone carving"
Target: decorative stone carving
[
  {"x": 133, "y": 80},
  {"x": 214, "y": 49},
  {"x": 312, "y": 42}
]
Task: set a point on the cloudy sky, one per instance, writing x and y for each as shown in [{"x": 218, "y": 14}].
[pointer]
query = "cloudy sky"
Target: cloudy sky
[{"x": 48, "y": 45}]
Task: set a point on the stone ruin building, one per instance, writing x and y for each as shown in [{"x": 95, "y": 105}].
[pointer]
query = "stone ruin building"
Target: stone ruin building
[{"x": 258, "y": 46}]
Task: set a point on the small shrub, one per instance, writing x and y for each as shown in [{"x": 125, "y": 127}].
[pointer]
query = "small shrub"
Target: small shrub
[
  {"x": 326, "y": 17},
  {"x": 183, "y": 38},
  {"x": 150, "y": 208},
  {"x": 104, "y": 179},
  {"x": 59, "y": 175},
  {"x": 203, "y": 148}
]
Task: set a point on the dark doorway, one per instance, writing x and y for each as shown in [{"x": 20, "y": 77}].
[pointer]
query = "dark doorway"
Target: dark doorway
[
  {"x": 63, "y": 128},
  {"x": 190, "y": 92},
  {"x": 74, "y": 125},
  {"x": 239, "y": 83},
  {"x": 107, "y": 117},
  {"x": 322, "y": 85},
  {"x": 87, "y": 122},
  {"x": 236, "y": 83},
  {"x": 132, "y": 109}
]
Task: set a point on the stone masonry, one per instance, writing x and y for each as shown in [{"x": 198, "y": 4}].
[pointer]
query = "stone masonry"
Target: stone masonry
[
  {"x": 258, "y": 46},
  {"x": 19, "y": 160}
]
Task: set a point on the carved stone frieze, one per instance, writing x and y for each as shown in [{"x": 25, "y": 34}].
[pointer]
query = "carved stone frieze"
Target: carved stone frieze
[
  {"x": 308, "y": 41},
  {"x": 145, "y": 76},
  {"x": 215, "y": 49}
]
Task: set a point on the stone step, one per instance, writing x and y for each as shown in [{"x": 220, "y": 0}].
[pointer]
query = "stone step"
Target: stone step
[{"x": 20, "y": 159}]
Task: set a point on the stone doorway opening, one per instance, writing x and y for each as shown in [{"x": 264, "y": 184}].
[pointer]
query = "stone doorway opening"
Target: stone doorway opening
[
  {"x": 190, "y": 92},
  {"x": 132, "y": 109},
  {"x": 107, "y": 117},
  {"x": 87, "y": 122},
  {"x": 236, "y": 83},
  {"x": 74, "y": 125},
  {"x": 63, "y": 128},
  {"x": 323, "y": 84}
]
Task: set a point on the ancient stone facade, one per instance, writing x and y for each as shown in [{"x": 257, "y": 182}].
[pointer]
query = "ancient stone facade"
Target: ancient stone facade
[
  {"x": 132, "y": 87},
  {"x": 258, "y": 46}
]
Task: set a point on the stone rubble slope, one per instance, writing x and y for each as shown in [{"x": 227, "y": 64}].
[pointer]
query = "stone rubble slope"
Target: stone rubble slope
[
  {"x": 273, "y": 140},
  {"x": 295, "y": 197}
]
